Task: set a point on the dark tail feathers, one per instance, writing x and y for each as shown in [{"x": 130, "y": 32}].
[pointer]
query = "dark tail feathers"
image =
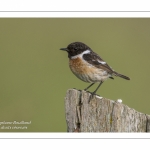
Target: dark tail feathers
[{"x": 120, "y": 75}]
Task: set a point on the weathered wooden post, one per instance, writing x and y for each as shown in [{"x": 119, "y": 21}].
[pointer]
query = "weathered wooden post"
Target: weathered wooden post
[{"x": 101, "y": 115}]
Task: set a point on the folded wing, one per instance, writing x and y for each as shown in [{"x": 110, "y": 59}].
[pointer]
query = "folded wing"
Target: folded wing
[{"x": 95, "y": 60}]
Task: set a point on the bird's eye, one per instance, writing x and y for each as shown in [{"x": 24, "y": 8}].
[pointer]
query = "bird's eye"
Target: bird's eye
[{"x": 75, "y": 48}]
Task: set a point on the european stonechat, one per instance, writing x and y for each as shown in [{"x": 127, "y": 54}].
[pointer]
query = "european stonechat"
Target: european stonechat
[{"x": 89, "y": 66}]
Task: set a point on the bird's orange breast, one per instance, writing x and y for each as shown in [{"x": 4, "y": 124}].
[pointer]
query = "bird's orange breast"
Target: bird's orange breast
[
  {"x": 87, "y": 72},
  {"x": 79, "y": 66}
]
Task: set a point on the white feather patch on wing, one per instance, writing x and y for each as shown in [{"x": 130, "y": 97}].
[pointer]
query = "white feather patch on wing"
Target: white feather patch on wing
[{"x": 101, "y": 62}]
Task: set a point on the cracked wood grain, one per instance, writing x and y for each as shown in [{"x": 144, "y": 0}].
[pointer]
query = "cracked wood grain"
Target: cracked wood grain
[
  {"x": 148, "y": 123},
  {"x": 101, "y": 115}
]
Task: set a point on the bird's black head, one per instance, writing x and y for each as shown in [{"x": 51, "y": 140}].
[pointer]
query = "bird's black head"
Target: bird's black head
[{"x": 76, "y": 48}]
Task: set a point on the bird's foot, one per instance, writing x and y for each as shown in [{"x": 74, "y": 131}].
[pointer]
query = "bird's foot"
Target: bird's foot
[{"x": 92, "y": 96}]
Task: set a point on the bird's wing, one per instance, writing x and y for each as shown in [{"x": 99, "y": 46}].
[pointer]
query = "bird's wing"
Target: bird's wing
[{"x": 95, "y": 60}]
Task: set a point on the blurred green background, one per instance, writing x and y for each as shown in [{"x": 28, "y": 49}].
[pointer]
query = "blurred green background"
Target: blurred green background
[{"x": 35, "y": 74}]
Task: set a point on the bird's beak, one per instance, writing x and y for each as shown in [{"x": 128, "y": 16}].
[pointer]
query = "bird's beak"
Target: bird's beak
[{"x": 64, "y": 49}]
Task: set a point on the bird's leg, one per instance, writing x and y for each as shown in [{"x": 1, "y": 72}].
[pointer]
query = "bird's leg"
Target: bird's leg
[
  {"x": 88, "y": 86},
  {"x": 97, "y": 88}
]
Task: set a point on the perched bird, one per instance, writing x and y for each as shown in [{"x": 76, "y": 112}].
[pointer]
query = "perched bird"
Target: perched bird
[{"x": 89, "y": 66}]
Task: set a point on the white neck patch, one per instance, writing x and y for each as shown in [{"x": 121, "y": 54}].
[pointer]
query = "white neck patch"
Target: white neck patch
[{"x": 80, "y": 55}]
